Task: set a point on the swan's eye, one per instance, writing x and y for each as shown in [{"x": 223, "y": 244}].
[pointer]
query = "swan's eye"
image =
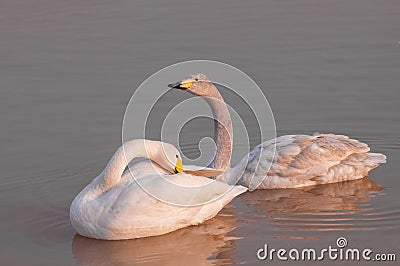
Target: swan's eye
[
  {"x": 196, "y": 79},
  {"x": 177, "y": 156}
]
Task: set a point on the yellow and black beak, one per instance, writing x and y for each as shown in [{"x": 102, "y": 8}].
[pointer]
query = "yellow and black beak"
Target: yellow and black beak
[
  {"x": 183, "y": 85},
  {"x": 178, "y": 166}
]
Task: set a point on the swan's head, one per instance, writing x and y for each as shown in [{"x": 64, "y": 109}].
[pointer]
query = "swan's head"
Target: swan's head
[
  {"x": 168, "y": 157},
  {"x": 197, "y": 84}
]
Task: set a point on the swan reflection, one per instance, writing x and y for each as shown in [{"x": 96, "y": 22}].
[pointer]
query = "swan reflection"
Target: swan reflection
[
  {"x": 195, "y": 245},
  {"x": 327, "y": 207}
]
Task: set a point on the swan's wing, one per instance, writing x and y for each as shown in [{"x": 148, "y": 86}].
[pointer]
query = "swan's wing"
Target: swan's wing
[
  {"x": 178, "y": 190},
  {"x": 157, "y": 211},
  {"x": 143, "y": 168},
  {"x": 302, "y": 160}
]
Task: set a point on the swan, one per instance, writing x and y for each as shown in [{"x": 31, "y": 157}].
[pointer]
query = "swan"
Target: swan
[
  {"x": 287, "y": 161},
  {"x": 115, "y": 206}
]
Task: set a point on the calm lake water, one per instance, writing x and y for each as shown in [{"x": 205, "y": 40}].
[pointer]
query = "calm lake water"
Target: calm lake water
[{"x": 68, "y": 69}]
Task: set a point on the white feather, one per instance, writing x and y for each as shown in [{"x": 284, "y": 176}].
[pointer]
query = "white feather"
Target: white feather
[{"x": 116, "y": 206}]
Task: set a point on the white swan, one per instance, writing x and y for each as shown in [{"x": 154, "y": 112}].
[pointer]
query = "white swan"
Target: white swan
[
  {"x": 114, "y": 206},
  {"x": 299, "y": 160}
]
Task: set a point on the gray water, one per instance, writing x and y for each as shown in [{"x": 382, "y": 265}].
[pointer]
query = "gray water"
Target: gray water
[{"x": 68, "y": 69}]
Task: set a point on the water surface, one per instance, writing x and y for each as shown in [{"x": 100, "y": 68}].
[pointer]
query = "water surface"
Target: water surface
[{"x": 68, "y": 69}]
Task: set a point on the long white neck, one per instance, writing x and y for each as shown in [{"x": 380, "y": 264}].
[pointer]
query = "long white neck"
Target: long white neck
[
  {"x": 112, "y": 174},
  {"x": 222, "y": 129},
  {"x": 223, "y": 136}
]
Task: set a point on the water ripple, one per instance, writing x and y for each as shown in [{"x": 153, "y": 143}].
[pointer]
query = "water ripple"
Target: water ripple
[{"x": 339, "y": 206}]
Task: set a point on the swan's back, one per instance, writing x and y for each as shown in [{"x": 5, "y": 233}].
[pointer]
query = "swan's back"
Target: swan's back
[{"x": 302, "y": 160}]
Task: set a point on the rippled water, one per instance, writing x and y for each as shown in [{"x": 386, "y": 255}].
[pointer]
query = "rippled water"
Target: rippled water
[{"x": 68, "y": 69}]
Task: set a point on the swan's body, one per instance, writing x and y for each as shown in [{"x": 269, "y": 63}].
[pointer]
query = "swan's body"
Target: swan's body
[
  {"x": 299, "y": 160},
  {"x": 302, "y": 160},
  {"x": 114, "y": 206}
]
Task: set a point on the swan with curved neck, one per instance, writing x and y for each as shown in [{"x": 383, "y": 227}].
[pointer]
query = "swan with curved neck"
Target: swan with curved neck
[
  {"x": 114, "y": 206},
  {"x": 299, "y": 160}
]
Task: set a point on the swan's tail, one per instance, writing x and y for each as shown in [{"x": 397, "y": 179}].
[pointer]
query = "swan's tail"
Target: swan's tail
[
  {"x": 211, "y": 209},
  {"x": 377, "y": 158},
  {"x": 234, "y": 192},
  {"x": 355, "y": 166}
]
